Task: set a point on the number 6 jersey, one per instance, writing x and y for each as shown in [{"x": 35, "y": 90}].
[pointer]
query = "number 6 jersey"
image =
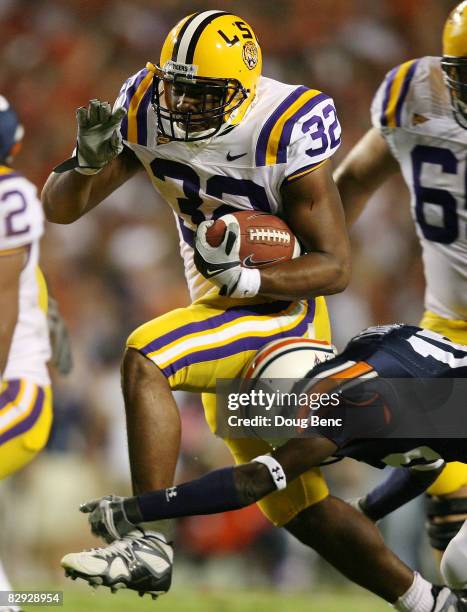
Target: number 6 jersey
[
  {"x": 287, "y": 131},
  {"x": 21, "y": 227},
  {"x": 413, "y": 112}
]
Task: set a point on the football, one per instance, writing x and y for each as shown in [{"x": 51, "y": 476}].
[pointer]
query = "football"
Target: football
[{"x": 264, "y": 239}]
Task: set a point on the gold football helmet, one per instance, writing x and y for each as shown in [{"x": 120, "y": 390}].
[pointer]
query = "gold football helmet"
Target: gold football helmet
[
  {"x": 207, "y": 77},
  {"x": 454, "y": 61}
]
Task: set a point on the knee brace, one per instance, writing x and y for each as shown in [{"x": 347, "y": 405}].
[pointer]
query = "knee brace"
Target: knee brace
[{"x": 448, "y": 509}]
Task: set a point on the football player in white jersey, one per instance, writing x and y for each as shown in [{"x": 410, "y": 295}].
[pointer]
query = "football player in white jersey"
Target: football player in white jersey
[
  {"x": 419, "y": 117},
  {"x": 360, "y": 398},
  {"x": 215, "y": 136},
  {"x": 25, "y": 393}
]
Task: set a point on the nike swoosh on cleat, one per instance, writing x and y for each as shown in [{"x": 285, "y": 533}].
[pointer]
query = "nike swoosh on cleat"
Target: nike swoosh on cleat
[{"x": 234, "y": 157}]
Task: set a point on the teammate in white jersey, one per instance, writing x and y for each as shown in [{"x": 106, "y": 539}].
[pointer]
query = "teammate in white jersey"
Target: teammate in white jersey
[
  {"x": 214, "y": 136},
  {"x": 25, "y": 394},
  {"x": 419, "y": 117}
]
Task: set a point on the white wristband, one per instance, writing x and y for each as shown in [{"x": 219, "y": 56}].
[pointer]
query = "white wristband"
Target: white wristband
[
  {"x": 275, "y": 469},
  {"x": 248, "y": 284}
]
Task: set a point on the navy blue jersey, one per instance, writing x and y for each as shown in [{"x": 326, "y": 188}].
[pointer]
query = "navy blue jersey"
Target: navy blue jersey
[{"x": 393, "y": 380}]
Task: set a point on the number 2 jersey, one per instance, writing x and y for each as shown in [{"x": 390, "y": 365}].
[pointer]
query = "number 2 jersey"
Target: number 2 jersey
[
  {"x": 288, "y": 131},
  {"x": 21, "y": 227},
  {"x": 413, "y": 112}
]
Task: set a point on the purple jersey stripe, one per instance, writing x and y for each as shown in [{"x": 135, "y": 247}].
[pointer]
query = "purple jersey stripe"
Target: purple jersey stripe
[
  {"x": 10, "y": 393},
  {"x": 262, "y": 144},
  {"x": 268, "y": 308},
  {"x": 28, "y": 422},
  {"x": 298, "y": 173},
  {"x": 252, "y": 343},
  {"x": 4, "y": 177},
  {"x": 387, "y": 92},
  {"x": 404, "y": 92},
  {"x": 142, "y": 118},
  {"x": 187, "y": 233},
  {"x": 130, "y": 90},
  {"x": 290, "y": 123}
]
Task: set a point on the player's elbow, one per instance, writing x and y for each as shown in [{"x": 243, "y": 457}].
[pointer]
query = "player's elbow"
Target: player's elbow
[
  {"x": 340, "y": 277},
  {"x": 55, "y": 209}
]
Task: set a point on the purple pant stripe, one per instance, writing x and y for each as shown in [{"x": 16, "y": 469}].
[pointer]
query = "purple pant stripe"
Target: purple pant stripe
[
  {"x": 10, "y": 392},
  {"x": 252, "y": 343},
  {"x": 26, "y": 423},
  {"x": 272, "y": 308}
]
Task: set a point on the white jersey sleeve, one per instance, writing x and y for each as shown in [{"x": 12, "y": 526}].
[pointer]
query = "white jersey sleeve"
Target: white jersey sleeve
[
  {"x": 392, "y": 106},
  {"x": 301, "y": 133},
  {"x": 21, "y": 217},
  {"x": 135, "y": 97}
]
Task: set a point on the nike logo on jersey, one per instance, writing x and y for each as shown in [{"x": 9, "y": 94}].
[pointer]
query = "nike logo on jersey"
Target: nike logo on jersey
[
  {"x": 249, "y": 262},
  {"x": 234, "y": 157}
]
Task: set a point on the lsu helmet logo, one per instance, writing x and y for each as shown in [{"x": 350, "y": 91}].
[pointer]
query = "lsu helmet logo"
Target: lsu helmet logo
[{"x": 250, "y": 55}]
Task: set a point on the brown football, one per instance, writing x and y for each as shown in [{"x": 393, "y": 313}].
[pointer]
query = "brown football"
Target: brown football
[{"x": 264, "y": 239}]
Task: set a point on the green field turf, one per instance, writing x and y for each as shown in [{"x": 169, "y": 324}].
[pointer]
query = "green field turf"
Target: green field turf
[{"x": 352, "y": 600}]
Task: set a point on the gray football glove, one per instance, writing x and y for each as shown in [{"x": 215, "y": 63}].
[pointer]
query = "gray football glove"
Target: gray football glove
[
  {"x": 111, "y": 517},
  {"x": 62, "y": 357},
  {"x": 99, "y": 140}
]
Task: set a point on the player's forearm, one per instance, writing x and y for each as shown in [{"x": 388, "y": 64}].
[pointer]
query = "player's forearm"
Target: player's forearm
[
  {"x": 398, "y": 489},
  {"x": 368, "y": 165},
  {"x": 309, "y": 276},
  {"x": 355, "y": 194},
  {"x": 66, "y": 196},
  {"x": 218, "y": 491}
]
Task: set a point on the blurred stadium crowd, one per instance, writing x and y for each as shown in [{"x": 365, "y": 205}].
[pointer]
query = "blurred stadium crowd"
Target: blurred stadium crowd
[{"x": 119, "y": 266}]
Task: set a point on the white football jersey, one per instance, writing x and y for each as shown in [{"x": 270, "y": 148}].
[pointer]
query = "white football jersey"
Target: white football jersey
[
  {"x": 412, "y": 109},
  {"x": 288, "y": 131},
  {"x": 22, "y": 225}
]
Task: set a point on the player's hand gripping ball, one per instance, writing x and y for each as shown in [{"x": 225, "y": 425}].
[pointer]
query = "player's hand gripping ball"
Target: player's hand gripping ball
[{"x": 231, "y": 250}]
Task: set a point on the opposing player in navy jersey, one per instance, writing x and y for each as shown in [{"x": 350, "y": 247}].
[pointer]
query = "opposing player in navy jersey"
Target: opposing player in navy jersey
[
  {"x": 213, "y": 136},
  {"x": 419, "y": 117},
  {"x": 371, "y": 407}
]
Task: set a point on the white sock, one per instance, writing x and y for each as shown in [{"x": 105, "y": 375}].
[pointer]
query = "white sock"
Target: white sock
[
  {"x": 6, "y": 586},
  {"x": 4, "y": 582},
  {"x": 418, "y": 598}
]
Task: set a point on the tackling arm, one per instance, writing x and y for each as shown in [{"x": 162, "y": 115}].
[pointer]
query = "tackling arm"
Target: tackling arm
[
  {"x": 218, "y": 491},
  {"x": 368, "y": 165}
]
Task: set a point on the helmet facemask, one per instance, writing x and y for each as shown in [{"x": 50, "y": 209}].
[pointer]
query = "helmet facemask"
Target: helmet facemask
[
  {"x": 191, "y": 108},
  {"x": 455, "y": 76}
]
